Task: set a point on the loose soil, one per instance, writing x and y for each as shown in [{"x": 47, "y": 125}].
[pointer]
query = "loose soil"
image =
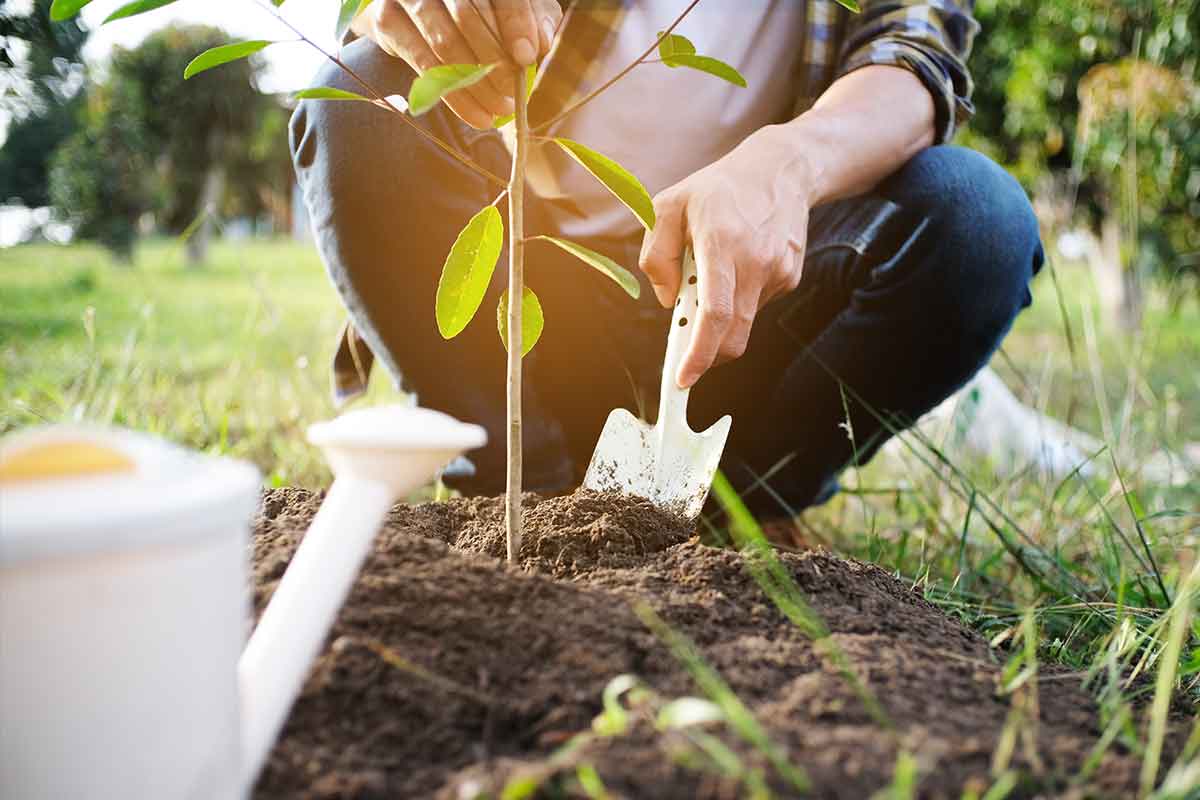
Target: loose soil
[{"x": 449, "y": 672}]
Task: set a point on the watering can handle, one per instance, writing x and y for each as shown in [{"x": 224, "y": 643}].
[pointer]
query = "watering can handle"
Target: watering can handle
[{"x": 672, "y": 401}]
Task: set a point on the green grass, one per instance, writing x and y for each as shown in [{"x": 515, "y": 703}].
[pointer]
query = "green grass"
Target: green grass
[{"x": 233, "y": 359}]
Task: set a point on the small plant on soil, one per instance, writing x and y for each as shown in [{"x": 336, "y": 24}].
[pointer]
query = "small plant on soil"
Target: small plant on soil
[{"x": 469, "y": 266}]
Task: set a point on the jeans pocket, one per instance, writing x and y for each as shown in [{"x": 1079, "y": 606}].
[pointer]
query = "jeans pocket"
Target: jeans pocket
[
  {"x": 848, "y": 241},
  {"x": 811, "y": 306}
]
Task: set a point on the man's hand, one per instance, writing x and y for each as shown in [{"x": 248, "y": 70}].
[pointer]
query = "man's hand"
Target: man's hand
[
  {"x": 746, "y": 218},
  {"x": 746, "y": 215},
  {"x": 427, "y": 33}
]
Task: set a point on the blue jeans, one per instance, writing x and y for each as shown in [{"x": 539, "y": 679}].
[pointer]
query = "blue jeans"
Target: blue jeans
[{"x": 906, "y": 292}]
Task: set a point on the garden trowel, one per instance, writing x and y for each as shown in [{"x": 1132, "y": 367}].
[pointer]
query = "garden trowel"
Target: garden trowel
[{"x": 667, "y": 462}]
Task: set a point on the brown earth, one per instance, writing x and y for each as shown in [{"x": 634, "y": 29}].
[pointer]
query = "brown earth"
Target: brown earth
[{"x": 450, "y": 672}]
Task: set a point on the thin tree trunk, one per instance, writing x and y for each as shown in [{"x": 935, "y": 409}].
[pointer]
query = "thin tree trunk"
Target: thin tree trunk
[
  {"x": 1106, "y": 267},
  {"x": 516, "y": 291},
  {"x": 210, "y": 199}
]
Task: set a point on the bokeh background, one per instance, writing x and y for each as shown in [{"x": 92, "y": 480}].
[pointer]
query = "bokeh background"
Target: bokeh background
[{"x": 156, "y": 265}]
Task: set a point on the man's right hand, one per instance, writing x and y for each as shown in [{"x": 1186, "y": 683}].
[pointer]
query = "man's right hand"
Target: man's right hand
[{"x": 427, "y": 33}]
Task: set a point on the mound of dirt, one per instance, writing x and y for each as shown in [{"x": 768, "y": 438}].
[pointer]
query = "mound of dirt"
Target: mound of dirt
[
  {"x": 563, "y": 535},
  {"x": 449, "y": 671}
]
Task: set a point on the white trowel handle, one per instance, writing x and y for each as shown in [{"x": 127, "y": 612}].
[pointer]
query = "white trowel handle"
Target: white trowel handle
[{"x": 672, "y": 401}]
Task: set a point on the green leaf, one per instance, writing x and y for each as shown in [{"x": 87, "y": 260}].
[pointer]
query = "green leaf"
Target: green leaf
[
  {"x": 65, "y": 9},
  {"x": 346, "y": 14},
  {"x": 530, "y": 76},
  {"x": 623, "y": 277},
  {"x": 328, "y": 93},
  {"x": 589, "y": 781},
  {"x": 216, "y": 56},
  {"x": 616, "y": 179},
  {"x": 135, "y": 8},
  {"x": 532, "y": 320},
  {"x": 712, "y": 66},
  {"x": 520, "y": 787},
  {"x": 852, "y": 5},
  {"x": 468, "y": 271},
  {"x": 673, "y": 44},
  {"x": 437, "y": 82}
]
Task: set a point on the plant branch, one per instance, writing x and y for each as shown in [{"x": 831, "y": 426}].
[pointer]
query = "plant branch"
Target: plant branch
[
  {"x": 592, "y": 94},
  {"x": 516, "y": 297},
  {"x": 381, "y": 100}
]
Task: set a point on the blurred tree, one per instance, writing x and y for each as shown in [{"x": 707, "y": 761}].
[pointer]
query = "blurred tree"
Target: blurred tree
[
  {"x": 41, "y": 77},
  {"x": 1104, "y": 91},
  {"x": 100, "y": 180},
  {"x": 263, "y": 171},
  {"x": 193, "y": 145}
]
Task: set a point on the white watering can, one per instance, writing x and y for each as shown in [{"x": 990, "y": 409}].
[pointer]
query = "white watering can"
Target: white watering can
[{"x": 123, "y": 601}]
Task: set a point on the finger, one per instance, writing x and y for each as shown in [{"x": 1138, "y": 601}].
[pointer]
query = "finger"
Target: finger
[
  {"x": 716, "y": 288},
  {"x": 548, "y": 15},
  {"x": 746, "y": 296},
  {"x": 792, "y": 266},
  {"x": 518, "y": 30},
  {"x": 477, "y": 22},
  {"x": 441, "y": 33},
  {"x": 661, "y": 258},
  {"x": 398, "y": 36}
]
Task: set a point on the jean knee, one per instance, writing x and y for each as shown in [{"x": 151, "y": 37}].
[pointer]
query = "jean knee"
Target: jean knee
[
  {"x": 985, "y": 237},
  {"x": 335, "y": 127}
]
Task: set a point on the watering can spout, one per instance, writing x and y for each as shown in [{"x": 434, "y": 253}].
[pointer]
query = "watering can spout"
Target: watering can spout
[{"x": 377, "y": 455}]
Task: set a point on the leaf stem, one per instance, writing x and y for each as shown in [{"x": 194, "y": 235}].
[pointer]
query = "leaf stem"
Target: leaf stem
[
  {"x": 592, "y": 94},
  {"x": 516, "y": 292},
  {"x": 382, "y": 100}
]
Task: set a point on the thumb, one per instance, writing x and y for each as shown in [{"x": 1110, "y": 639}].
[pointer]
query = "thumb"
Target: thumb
[{"x": 661, "y": 258}]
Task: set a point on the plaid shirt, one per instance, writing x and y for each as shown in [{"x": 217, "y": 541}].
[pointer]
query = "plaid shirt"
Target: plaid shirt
[{"x": 929, "y": 37}]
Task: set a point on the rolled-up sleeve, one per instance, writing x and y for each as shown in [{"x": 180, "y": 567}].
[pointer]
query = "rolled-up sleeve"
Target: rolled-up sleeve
[{"x": 932, "y": 39}]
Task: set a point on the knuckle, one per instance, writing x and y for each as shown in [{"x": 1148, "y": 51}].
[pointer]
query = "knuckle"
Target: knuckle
[
  {"x": 718, "y": 313},
  {"x": 664, "y": 203}
]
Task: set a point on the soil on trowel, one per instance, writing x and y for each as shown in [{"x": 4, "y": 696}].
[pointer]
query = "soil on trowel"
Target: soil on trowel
[{"x": 450, "y": 673}]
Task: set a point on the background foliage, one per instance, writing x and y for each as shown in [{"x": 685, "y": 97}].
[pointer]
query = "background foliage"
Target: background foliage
[
  {"x": 1095, "y": 103},
  {"x": 43, "y": 95}
]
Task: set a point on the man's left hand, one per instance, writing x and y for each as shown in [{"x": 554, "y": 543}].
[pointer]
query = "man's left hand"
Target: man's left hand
[{"x": 746, "y": 218}]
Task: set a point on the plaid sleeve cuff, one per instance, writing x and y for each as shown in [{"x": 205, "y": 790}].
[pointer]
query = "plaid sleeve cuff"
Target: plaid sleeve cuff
[
  {"x": 950, "y": 91},
  {"x": 930, "y": 38}
]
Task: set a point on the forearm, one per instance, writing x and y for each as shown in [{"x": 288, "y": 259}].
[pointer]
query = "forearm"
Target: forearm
[{"x": 864, "y": 127}]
